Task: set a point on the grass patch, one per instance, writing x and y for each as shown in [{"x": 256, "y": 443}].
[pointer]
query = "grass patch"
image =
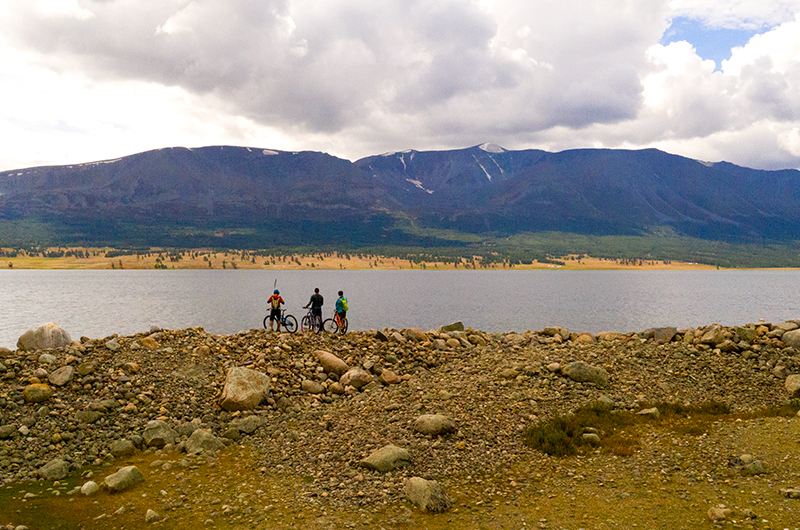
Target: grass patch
[{"x": 618, "y": 431}]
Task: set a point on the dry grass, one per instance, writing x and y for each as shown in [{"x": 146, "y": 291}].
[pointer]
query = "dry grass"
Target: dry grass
[
  {"x": 619, "y": 431},
  {"x": 234, "y": 260}
]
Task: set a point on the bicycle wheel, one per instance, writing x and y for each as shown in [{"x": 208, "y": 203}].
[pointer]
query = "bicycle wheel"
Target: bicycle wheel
[
  {"x": 343, "y": 327},
  {"x": 266, "y": 322},
  {"x": 330, "y": 326},
  {"x": 317, "y": 324},
  {"x": 305, "y": 323},
  {"x": 290, "y": 323}
]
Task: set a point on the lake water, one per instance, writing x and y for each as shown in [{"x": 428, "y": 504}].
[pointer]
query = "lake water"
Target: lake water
[{"x": 97, "y": 303}]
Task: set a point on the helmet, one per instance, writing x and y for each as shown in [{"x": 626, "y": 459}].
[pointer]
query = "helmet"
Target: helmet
[{"x": 276, "y": 291}]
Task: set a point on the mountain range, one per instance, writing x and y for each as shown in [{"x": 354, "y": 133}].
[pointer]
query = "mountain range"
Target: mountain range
[{"x": 240, "y": 196}]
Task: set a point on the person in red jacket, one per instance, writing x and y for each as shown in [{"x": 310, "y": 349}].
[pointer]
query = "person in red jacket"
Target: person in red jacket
[{"x": 275, "y": 301}]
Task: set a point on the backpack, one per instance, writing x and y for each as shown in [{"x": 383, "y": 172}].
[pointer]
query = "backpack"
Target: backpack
[
  {"x": 344, "y": 304},
  {"x": 276, "y": 302}
]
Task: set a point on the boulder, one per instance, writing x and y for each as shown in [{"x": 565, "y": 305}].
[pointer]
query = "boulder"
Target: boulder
[
  {"x": 747, "y": 334},
  {"x": 312, "y": 387},
  {"x": 248, "y": 424},
  {"x": 47, "y": 358},
  {"x": 244, "y": 389},
  {"x": 387, "y": 458},
  {"x": 356, "y": 377},
  {"x": 37, "y": 393},
  {"x": 713, "y": 336},
  {"x": 585, "y": 373},
  {"x": 583, "y": 338},
  {"x": 203, "y": 440},
  {"x": 7, "y": 431},
  {"x": 455, "y": 326},
  {"x": 158, "y": 434},
  {"x": 397, "y": 337},
  {"x": 792, "y": 338},
  {"x": 793, "y": 386},
  {"x": 331, "y": 363},
  {"x": 44, "y": 337},
  {"x": 388, "y": 377},
  {"x": 415, "y": 335},
  {"x": 88, "y": 416},
  {"x": 90, "y": 488},
  {"x": 55, "y": 469},
  {"x": 664, "y": 335},
  {"x": 62, "y": 376},
  {"x": 477, "y": 340},
  {"x": 434, "y": 424},
  {"x": 124, "y": 479},
  {"x": 122, "y": 448},
  {"x": 427, "y": 495},
  {"x": 609, "y": 336}
]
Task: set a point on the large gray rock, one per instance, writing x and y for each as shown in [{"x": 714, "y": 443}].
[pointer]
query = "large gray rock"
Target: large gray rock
[
  {"x": 62, "y": 376},
  {"x": 435, "y": 424},
  {"x": 584, "y": 373},
  {"x": 55, "y": 469},
  {"x": 248, "y": 424},
  {"x": 331, "y": 363},
  {"x": 46, "y": 336},
  {"x": 387, "y": 458},
  {"x": 792, "y": 338},
  {"x": 122, "y": 448},
  {"x": 356, "y": 377},
  {"x": 124, "y": 479},
  {"x": 203, "y": 440},
  {"x": 244, "y": 389},
  {"x": 158, "y": 434},
  {"x": 427, "y": 495},
  {"x": 793, "y": 386}
]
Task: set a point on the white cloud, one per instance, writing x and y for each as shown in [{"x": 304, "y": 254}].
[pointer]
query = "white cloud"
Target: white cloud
[
  {"x": 99, "y": 79},
  {"x": 737, "y": 14}
]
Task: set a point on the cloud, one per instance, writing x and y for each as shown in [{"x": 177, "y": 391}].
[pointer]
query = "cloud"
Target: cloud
[
  {"x": 353, "y": 77},
  {"x": 737, "y": 14}
]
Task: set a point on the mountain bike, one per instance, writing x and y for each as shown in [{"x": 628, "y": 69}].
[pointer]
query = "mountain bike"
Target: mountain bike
[
  {"x": 311, "y": 322},
  {"x": 337, "y": 324},
  {"x": 287, "y": 321}
]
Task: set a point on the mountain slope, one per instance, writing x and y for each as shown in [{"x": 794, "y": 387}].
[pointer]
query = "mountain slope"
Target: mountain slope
[{"x": 176, "y": 195}]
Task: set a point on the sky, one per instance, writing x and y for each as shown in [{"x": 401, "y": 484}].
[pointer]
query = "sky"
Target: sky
[{"x": 87, "y": 80}]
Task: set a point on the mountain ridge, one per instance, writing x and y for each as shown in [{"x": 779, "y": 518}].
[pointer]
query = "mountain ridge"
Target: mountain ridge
[{"x": 295, "y": 197}]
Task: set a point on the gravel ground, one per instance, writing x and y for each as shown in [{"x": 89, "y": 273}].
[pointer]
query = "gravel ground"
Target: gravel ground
[{"x": 493, "y": 386}]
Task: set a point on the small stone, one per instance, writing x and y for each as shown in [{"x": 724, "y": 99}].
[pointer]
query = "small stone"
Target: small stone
[{"x": 90, "y": 488}]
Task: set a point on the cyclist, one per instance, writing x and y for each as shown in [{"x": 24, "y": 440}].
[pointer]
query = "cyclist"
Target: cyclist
[
  {"x": 275, "y": 301},
  {"x": 316, "y": 302},
  {"x": 341, "y": 306}
]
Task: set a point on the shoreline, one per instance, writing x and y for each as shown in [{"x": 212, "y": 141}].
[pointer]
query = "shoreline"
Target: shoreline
[{"x": 80, "y": 258}]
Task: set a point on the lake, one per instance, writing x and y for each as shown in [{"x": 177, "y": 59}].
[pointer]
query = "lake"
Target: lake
[{"x": 97, "y": 303}]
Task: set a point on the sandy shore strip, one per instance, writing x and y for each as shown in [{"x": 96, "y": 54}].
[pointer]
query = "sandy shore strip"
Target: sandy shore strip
[{"x": 106, "y": 258}]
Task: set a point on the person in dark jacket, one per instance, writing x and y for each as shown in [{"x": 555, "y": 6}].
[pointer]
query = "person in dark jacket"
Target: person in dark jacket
[{"x": 316, "y": 303}]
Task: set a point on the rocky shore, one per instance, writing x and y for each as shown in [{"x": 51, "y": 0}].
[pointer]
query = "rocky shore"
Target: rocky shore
[{"x": 359, "y": 415}]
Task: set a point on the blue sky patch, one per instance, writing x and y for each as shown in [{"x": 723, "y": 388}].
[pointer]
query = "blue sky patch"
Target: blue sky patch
[{"x": 710, "y": 43}]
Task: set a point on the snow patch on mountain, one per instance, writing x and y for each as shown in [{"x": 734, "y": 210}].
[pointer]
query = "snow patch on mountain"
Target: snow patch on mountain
[
  {"x": 491, "y": 148},
  {"x": 419, "y": 185},
  {"x": 269, "y": 152}
]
